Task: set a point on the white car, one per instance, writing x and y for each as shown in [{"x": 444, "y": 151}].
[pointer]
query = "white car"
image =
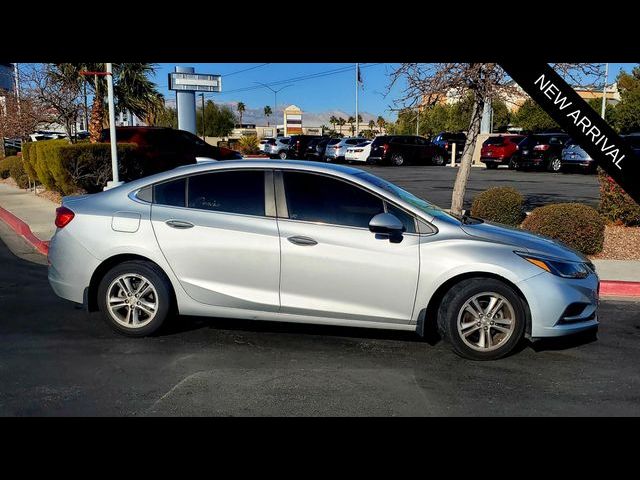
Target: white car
[{"x": 358, "y": 153}]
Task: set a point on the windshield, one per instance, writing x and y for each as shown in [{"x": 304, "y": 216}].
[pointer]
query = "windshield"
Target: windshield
[{"x": 419, "y": 203}]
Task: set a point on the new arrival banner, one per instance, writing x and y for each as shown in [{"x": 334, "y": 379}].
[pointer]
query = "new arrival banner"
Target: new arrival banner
[{"x": 578, "y": 119}]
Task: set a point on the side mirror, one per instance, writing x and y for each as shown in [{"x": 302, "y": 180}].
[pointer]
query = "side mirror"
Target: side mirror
[{"x": 388, "y": 225}]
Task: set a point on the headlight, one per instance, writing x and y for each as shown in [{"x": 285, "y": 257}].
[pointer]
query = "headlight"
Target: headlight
[{"x": 559, "y": 267}]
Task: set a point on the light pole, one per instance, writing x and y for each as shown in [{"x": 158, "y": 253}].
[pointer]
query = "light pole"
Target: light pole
[
  {"x": 604, "y": 90},
  {"x": 203, "y": 130},
  {"x": 112, "y": 130},
  {"x": 275, "y": 96}
]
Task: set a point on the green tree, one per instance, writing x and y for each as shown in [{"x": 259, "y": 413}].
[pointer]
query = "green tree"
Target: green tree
[
  {"x": 241, "y": 108},
  {"x": 333, "y": 121},
  {"x": 381, "y": 122},
  {"x": 626, "y": 114},
  {"x": 351, "y": 121},
  {"x": 501, "y": 115},
  {"x": 341, "y": 123},
  {"x": 219, "y": 120},
  {"x": 267, "y": 113},
  {"x": 133, "y": 90},
  {"x": 532, "y": 118},
  {"x": 166, "y": 117},
  {"x": 372, "y": 125}
]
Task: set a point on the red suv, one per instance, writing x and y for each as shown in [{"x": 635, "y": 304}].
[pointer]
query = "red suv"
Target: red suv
[
  {"x": 164, "y": 148},
  {"x": 499, "y": 150}
]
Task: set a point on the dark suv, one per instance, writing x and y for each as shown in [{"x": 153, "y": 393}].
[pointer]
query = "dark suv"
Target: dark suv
[
  {"x": 298, "y": 146},
  {"x": 541, "y": 151},
  {"x": 316, "y": 148},
  {"x": 446, "y": 141},
  {"x": 162, "y": 149},
  {"x": 401, "y": 149}
]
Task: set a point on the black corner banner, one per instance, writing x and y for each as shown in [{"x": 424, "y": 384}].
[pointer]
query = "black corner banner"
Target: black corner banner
[{"x": 580, "y": 121}]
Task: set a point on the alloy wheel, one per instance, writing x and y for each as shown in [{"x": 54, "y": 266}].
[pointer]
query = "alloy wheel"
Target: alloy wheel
[
  {"x": 438, "y": 160},
  {"x": 132, "y": 300},
  {"x": 486, "y": 321},
  {"x": 397, "y": 159},
  {"x": 555, "y": 165}
]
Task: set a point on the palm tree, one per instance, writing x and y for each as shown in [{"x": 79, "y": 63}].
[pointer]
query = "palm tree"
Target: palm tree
[
  {"x": 372, "y": 125},
  {"x": 341, "y": 122},
  {"x": 241, "y": 108},
  {"x": 267, "y": 113},
  {"x": 133, "y": 90},
  {"x": 381, "y": 123},
  {"x": 333, "y": 120},
  {"x": 351, "y": 121}
]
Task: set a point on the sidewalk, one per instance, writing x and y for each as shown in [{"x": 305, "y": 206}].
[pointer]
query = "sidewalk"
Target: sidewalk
[{"x": 32, "y": 217}]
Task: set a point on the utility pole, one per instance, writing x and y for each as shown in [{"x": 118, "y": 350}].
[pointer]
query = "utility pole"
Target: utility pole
[
  {"x": 418, "y": 121},
  {"x": 112, "y": 130},
  {"x": 86, "y": 107},
  {"x": 203, "y": 129},
  {"x": 604, "y": 90},
  {"x": 357, "y": 84},
  {"x": 17, "y": 80},
  {"x": 275, "y": 97}
]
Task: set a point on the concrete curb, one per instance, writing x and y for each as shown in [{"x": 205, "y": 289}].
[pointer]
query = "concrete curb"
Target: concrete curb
[
  {"x": 608, "y": 288},
  {"x": 21, "y": 228}
]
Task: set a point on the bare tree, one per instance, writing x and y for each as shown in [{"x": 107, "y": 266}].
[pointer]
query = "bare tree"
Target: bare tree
[
  {"x": 431, "y": 83},
  {"x": 20, "y": 118}
]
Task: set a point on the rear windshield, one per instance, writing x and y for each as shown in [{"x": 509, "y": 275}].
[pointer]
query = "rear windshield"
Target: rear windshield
[
  {"x": 333, "y": 141},
  {"x": 494, "y": 141}
]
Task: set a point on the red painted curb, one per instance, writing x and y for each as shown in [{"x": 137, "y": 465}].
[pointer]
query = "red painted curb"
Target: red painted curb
[
  {"x": 619, "y": 288},
  {"x": 23, "y": 229}
]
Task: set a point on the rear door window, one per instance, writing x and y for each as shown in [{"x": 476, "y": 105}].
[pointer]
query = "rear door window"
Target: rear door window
[
  {"x": 170, "y": 193},
  {"x": 240, "y": 192}
]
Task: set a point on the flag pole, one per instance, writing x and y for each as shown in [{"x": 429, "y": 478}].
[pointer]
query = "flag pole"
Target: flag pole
[{"x": 357, "y": 79}]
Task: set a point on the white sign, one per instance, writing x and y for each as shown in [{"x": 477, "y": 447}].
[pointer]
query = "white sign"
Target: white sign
[{"x": 195, "y": 82}]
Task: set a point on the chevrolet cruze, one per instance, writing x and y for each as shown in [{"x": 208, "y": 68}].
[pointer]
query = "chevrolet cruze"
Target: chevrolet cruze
[{"x": 305, "y": 242}]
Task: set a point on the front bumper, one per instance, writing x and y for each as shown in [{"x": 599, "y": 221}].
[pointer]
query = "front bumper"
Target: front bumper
[{"x": 561, "y": 306}]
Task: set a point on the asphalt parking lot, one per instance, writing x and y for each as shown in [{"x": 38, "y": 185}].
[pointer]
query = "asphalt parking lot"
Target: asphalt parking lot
[
  {"x": 58, "y": 360},
  {"x": 538, "y": 188}
]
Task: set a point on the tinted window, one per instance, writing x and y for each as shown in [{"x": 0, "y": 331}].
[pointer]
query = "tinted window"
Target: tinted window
[
  {"x": 494, "y": 141},
  {"x": 421, "y": 141},
  {"x": 333, "y": 141},
  {"x": 170, "y": 193},
  {"x": 232, "y": 192},
  {"x": 406, "y": 219},
  {"x": 316, "y": 198}
]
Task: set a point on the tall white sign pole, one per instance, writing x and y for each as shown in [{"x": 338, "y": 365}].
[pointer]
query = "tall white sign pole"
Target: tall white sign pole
[
  {"x": 357, "y": 79},
  {"x": 604, "y": 90},
  {"x": 112, "y": 131}
]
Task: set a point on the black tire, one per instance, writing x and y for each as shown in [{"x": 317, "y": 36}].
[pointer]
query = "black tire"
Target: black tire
[
  {"x": 491, "y": 166},
  {"x": 397, "y": 160},
  {"x": 554, "y": 165},
  {"x": 452, "y": 304},
  {"x": 160, "y": 283},
  {"x": 283, "y": 155},
  {"x": 437, "y": 160},
  {"x": 513, "y": 164}
]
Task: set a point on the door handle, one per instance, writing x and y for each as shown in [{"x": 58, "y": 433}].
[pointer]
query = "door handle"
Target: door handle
[
  {"x": 302, "y": 241},
  {"x": 179, "y": 224}
]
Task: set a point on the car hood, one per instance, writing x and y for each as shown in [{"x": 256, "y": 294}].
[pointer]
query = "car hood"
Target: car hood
[{"x": 522, "y": 240}]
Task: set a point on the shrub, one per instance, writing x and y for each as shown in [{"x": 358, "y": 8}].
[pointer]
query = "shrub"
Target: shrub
[
  {"x": 28, "y": 157},
  {"x": 5, "y": 165},
  {"x": 577, "y": 225},
  {"x": 249, "y": 145},
  {"x": 46, "y": 153},
  {"x": 15, "y": 167},
  {"x": 615, "y": 205},
  {"x": 499, "y": 204},
  {"x": 87, "y": 166}
]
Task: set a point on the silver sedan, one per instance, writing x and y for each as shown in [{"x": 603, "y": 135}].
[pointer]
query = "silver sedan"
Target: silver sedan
[{"x": 305, "y": 242}]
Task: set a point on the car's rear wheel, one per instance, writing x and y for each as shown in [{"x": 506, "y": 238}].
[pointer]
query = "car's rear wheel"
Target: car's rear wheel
[
  {"x": 513, "y": 164},
  {"x": 554, "y": 165},
  {"x": 397, "y": 160},
  {"x": 438, "y": 160},
  {"x": 135, "y": 298},
  {"x": 482, "y": 318},
  {"x": 283, "y": 155}
]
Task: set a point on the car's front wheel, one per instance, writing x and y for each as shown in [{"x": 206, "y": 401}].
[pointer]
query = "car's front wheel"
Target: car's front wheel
[
  {"x": 135, "y": 298},
  {"x": 482, "y": 318},
  {"x": 438, "y": 160}
]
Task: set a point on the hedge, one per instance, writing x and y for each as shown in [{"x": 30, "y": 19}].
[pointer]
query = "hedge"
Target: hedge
[
  {"x": 71, "y": 168},
  {"x": 615, "y": 204},
  {"x": 499, "y": 204},
  {"x": 576, "y": 225},
  {"x": 14, "y": 167}
]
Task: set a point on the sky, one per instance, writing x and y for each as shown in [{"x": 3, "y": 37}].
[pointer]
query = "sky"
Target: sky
[{"x": 319, "y": 89}]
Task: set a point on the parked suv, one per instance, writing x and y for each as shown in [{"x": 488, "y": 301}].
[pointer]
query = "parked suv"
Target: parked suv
[
  {"x": 277, "y": 147},
  {"x": 316, "y": 148},
  {"x": 298, "y": 146},
  {"x": 401, "y": 149},
  {"x": 541, "y": 151},
  {"x": 499, "y": 150},
  {"x": 337, "y": 151},
  {"x": 162, "y": 149},
  {"x": 446, "y": 141}
]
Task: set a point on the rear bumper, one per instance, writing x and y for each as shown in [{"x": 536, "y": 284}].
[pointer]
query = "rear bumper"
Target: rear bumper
[{"x": 499, "y": 160}]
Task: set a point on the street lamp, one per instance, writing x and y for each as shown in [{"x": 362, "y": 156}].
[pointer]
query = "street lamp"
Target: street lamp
[
  {"x": 275, "y": 95},
  {"x": 604, "y": 90}
]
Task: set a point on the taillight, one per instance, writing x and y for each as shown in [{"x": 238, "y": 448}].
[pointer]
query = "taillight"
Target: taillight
[
  {"x": 63, "y": 217},
  {"x": 540, "y": 148},
  {"x": 446, "y": 145},
  {"x": 385, "y": 147}
]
